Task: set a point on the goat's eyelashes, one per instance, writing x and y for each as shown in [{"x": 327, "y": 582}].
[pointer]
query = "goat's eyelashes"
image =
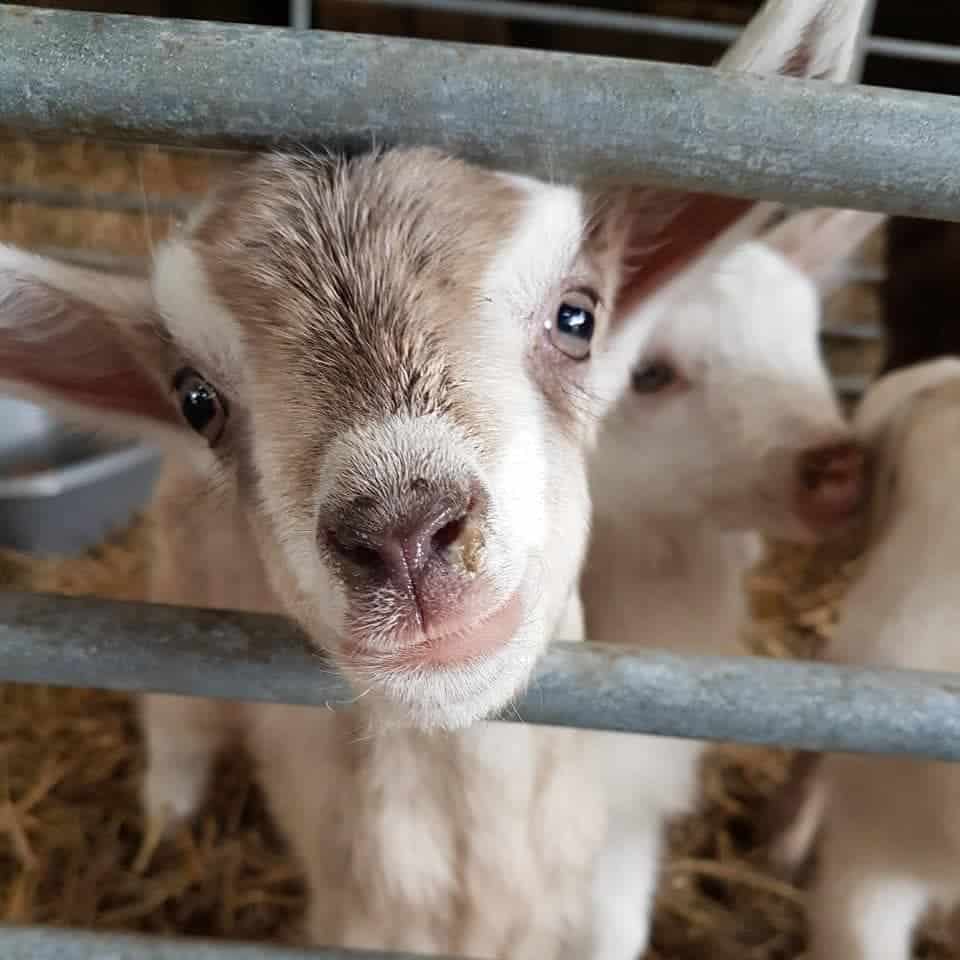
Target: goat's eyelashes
[
  {"x": 652, "y": 377},
  {"x": 570, "y": 329},
  {"x": 201, "y": 405}
]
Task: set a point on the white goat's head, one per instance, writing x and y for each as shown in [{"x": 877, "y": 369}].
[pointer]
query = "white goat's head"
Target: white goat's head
[{"x": 730, "y": 415}]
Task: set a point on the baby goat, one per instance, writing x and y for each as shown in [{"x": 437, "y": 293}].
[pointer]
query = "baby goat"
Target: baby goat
[
  {"x": 889, "y": 841},
  {"x": 391, "y": 369},
  {"x": 715, "y": 443}
]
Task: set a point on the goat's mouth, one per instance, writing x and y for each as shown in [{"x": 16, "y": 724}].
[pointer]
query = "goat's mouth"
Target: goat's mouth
[{"x": 447, "y": 647}]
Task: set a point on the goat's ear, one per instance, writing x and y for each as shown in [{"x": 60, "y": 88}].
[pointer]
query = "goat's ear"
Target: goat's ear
[
  {"x": 886, "y": 421},
  {"x": 660, "y": 234},
  {"x": 816, "y": 39},
  {"x": 84, "y": 343},
  {"x": 820, "y": 241},
  {"x": 885, "y": 445}
]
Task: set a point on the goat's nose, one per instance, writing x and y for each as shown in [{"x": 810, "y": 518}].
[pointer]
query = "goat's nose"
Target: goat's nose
[
  {"x": 399, "y": 545},
  {"x": 830, "y": 484}
]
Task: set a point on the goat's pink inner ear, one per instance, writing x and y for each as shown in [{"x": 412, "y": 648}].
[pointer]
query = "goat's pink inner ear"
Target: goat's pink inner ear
[
  {"x": 118, "y": 386},
  {"x": 75, "y": 354},
  {"x": 655, "y": 252}
]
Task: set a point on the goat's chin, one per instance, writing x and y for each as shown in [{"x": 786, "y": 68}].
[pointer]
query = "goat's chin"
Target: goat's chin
[{"x": 447, "y": 697}]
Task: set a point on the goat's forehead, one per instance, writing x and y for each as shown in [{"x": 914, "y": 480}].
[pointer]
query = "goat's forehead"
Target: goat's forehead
[
  {"x": 367, "y": 268},
  {"x": 330, "y": 235}
]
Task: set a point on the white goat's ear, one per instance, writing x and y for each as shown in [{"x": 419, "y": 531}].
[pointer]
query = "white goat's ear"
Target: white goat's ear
[
  {"x": 816, "y": 39},
  {"x": 662, "y": 233},
  {"x": 820, "y": 241},
  {"x": 84, "y": 343},
  {"x": 887, "y": 431}
]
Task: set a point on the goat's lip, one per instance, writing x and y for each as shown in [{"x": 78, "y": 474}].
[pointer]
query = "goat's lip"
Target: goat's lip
[{"x": 473, "y": 641}]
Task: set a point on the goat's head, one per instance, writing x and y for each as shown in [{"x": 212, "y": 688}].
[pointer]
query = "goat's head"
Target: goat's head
[
  {"x": 397, "y": 362},
  {"x": 730, "y": 415}
]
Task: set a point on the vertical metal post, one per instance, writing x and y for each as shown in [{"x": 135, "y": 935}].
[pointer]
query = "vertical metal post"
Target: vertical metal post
[{"x": 301, "y": 14}]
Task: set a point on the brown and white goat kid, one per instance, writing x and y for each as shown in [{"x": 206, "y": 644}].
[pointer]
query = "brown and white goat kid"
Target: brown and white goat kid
[
  {"x": 391, "y": 368},
  {"x": 730, "y": 416},
  {"x": 889, "y": 839}
]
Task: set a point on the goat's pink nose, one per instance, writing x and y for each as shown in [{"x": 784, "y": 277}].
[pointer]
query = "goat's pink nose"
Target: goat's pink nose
[
  {"x": 830, "y": 485},
  {"x": 399, "y": 545}
]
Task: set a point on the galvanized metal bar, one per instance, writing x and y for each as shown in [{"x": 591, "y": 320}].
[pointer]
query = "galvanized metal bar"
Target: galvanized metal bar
[
  {"x": 862, "y": 49},
  {"x": 853, "y": 331},
  {"x": 94, "y": 200},
  {"x": 301, "y": 14},
  {"x": 136, "y": 647},
  {"x": 679, "y": 28},
  {"x": 47, "y": 943},
  {"x": 808, "y": 143},
  {"x": 98, "y": 259},
  {"x": 851, "y": 385}
]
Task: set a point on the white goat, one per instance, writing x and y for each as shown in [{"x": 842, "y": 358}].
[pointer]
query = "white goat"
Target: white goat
[
  {"x": 730, "y": 416},
  {"x": 889, "y": 842},
  {"x": 391, "y": 368}
]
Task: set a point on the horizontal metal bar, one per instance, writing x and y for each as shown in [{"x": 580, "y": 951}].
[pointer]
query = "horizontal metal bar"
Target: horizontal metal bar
[
  {"x": 139, "y": 647},
  {"x": 93, "y": 200},
  {"x": 864, "y": 273},
  {"x": 558, "y": 115},
  {"x": 567, "y": 15},
  {"x": 851, "y": 385},
  {"x": 853, "y": 331},
  {"x": 98, "y": 259},
  {"x": 47, "y": 943}
]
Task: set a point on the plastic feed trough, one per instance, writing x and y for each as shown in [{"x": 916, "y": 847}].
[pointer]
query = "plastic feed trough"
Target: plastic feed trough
[{"x": 62, "y": 491}]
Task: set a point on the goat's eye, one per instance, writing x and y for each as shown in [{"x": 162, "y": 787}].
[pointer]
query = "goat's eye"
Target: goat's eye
[
  {"x": 652, "y": 377},
  {"x": 571, "y": 329},
  {"x": 200, "y": 404}
]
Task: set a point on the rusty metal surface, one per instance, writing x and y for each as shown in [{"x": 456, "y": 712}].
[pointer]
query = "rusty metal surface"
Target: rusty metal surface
[{"x": 549, "y": 113}]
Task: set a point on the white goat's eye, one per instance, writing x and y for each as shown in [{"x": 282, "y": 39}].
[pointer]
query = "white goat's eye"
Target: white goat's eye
[
  {"x": 652, "y": 377},
  {"x": 571, "y": 329},
  {"x": 200, "y": 405}
]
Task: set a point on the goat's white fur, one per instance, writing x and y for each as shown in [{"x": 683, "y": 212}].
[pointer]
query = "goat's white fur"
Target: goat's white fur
[
  {"x": 890, "y": 838},
  {"x": 182, "y": 292},
  {"x": 667, "y": 561}
]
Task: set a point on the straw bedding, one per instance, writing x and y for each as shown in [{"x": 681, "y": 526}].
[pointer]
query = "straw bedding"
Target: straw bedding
[{"x": 72, "y": 847}]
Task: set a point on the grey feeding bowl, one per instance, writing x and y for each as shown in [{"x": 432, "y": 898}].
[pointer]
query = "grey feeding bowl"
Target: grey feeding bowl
[{"x": 62, "y": 491}]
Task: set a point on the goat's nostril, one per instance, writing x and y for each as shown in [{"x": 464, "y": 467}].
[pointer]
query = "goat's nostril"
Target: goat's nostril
[
  {"x": 449, "y": 533},
  {"x": 831, "y": 465},
  {"x": 832, "y": 483},
  {"x": 401, "y": 542},
  {"x": 358, "y": 554}
]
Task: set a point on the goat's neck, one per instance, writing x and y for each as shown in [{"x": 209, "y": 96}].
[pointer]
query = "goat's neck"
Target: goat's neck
[{"x": 666, "y": 580}]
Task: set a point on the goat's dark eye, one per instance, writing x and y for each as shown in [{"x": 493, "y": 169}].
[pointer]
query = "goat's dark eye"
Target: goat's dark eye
[
  {"x": 652, "y": 377},
  {"x": 571, "y": 330},
  {"x": 200, "y": 404}
]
